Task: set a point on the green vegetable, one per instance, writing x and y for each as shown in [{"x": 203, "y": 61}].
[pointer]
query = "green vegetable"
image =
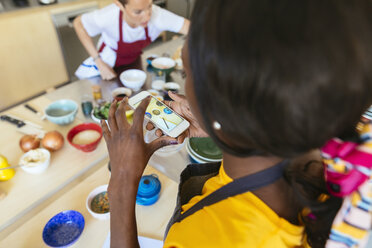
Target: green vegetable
[{"x": 102, "y": 111}]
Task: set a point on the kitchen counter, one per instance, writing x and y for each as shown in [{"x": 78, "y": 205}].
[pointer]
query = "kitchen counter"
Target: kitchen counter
[{"x": 33, "y": 199}]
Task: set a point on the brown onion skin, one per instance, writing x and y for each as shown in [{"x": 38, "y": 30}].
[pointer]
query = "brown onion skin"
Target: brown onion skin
[
  {"x": 53, "y": 141},
  {"x": 29, "y": 142}
]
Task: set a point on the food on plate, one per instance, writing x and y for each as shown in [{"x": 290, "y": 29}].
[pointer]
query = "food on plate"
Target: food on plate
[
  {"x": 33, "y": 158},
  {"x": 100, "y": 203},
  {"x": 29, "y": 142},
  {"x": 86, "y": 137},
  {"x": 5, "y": 174},
  {"x": 53, "y": 141},
  {"x": 101, "y": 112}
]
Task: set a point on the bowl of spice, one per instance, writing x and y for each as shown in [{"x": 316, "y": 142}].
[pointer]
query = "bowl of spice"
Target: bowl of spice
[
  {"x": 119, "y": 93},
  {"x": 97, "y": 203},
  {"x": 85, "y": 137}
]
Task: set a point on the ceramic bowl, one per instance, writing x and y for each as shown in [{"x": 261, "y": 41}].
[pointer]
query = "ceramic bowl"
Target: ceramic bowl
[
  {"x": 63, "y": 229},
  {"x": 83, "y": 127},
  {"x": 120, "y": 93},
  {"x": 133, "y": 79},
  {"x": 61, "y": 112},
  {"x": 88, "y": 203},
  {"x": 164, "y": 64},
  {"x": 172, "y": 86},
  {"x": 203, "y": 150},
  {"x": 42, "y": 158},
  {"x": 157, "y": 85}
]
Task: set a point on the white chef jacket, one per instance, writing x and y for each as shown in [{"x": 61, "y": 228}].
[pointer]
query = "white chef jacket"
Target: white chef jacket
[{"x": 105, "y": 21}]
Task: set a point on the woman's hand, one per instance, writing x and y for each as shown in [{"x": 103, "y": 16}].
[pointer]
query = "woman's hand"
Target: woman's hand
[
  {"x": 128, "y": 152},
  {"x": 182, "y": 107},
  {"x": 107, "y": 73},
  {"x": 129, "y": 155}
]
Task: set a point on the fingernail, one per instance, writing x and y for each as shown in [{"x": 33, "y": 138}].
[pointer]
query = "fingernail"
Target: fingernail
[{"x": 173, "y": 142}]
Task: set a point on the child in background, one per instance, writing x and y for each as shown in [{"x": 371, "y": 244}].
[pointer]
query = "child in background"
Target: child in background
[{"x": 270, "y": 81}]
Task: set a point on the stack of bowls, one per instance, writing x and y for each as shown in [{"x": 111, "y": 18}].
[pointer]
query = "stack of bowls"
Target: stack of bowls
[{"x": 203, "y": 150}]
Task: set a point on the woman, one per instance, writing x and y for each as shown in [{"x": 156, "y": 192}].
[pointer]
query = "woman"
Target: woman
[
  {"x": 270, "y": 82},
  {"x": 126, "y": 27}
]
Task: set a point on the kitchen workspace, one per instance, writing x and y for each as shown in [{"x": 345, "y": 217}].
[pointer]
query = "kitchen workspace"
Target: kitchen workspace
[
  {"x": 54, "y": 193},
  {"x": 271, "y": 148}
]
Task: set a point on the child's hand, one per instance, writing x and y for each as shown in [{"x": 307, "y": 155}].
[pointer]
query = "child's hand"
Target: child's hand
[{"x": 181, "y": 106}]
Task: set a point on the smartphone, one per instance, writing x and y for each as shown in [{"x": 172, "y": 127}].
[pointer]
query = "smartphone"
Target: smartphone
[{"x": 163, "y": 117}]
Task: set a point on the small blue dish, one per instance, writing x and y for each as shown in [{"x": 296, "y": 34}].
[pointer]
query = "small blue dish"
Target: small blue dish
[
  {"x": 63, "y": 229},
  {"x": 148, "y": 190},
  {"x": 61, "y": 112}
]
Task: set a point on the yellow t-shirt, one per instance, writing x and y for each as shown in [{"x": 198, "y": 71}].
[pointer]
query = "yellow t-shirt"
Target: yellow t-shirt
[{"x": 240, "y": 221}]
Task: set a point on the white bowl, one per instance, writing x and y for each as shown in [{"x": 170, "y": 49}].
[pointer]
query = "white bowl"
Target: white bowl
[
  {"x": 35, "y": 167},
  {"x": 95, "y": 119},
  {"x": 157, "y": 84},
  {"x": 120, "y": 91},
  {"x": 92, "y": 194},
  {"x": 163, "y": 63},
  {"x": 171, "y": 86},
  {"x": 133, "y": 79}
]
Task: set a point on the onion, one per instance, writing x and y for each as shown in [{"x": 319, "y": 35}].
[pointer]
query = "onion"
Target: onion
[
  {"x": 29, "y": 142},
  {"x": 52, "y": 141}
]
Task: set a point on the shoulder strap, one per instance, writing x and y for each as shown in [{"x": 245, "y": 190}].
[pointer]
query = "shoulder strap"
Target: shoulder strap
[
  {"x": 147, "y": 33},
  {"x": 121, "y": 26},
  {"x": 239, "y": 186}
]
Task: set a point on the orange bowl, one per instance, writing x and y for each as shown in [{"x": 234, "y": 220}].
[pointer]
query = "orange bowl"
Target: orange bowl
[{"x": 82, "y": 127}]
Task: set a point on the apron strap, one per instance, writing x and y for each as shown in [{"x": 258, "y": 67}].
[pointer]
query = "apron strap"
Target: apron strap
[
  {"x": 239, "y": 186},
  {"x": 121, "y": 26}
]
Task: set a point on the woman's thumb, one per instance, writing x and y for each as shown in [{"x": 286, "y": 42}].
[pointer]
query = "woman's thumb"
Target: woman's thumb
[{"x": 161, "y": 142}]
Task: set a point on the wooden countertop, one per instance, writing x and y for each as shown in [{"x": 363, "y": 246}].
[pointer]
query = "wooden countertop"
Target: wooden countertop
[
  {"x": 25, "y": 191},
  {"x": 32, "y": 200},
  {"x": 151, "y": 220}
]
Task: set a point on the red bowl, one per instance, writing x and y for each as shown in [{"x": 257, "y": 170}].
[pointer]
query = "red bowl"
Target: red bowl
[{"x": 82, "y": 127}]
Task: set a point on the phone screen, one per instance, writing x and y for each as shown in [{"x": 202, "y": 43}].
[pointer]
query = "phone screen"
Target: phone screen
[{"x": 161, "y": 115}]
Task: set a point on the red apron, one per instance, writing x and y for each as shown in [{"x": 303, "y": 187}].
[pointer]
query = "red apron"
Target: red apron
[{"x": 128, "y": 53}]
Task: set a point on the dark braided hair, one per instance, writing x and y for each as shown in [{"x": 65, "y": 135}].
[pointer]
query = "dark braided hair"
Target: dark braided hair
[{"x": 282, "y": 78}]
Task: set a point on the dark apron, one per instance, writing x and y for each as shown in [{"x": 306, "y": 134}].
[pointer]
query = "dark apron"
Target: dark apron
[{"x": 195, "y": 175}]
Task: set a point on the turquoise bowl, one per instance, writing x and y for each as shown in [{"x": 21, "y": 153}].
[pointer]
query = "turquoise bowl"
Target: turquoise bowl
[{"x": 61, "y": 112}]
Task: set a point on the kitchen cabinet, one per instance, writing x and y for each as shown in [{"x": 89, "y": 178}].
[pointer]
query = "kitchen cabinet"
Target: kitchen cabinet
[{"x": 31, "y": 58}]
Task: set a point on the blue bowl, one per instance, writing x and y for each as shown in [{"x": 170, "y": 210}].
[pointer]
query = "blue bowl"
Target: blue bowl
[
  {"x": 61, "y": 112},
  {"x": 148, "y": 190},
  {"x": 63, "y": 229}
]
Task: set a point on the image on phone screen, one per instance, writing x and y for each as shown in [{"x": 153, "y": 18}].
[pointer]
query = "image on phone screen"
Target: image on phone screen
[{"x": 161, "y": 115}]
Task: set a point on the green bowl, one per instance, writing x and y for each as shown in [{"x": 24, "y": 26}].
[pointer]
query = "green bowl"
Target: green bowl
[
  {"x": 205, "y": 149},
  {"x": 164, "y": 65}
]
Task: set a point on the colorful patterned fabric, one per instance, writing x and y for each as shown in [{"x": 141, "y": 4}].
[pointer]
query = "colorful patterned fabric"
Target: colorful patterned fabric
[{"x": 348, "y": 170}]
